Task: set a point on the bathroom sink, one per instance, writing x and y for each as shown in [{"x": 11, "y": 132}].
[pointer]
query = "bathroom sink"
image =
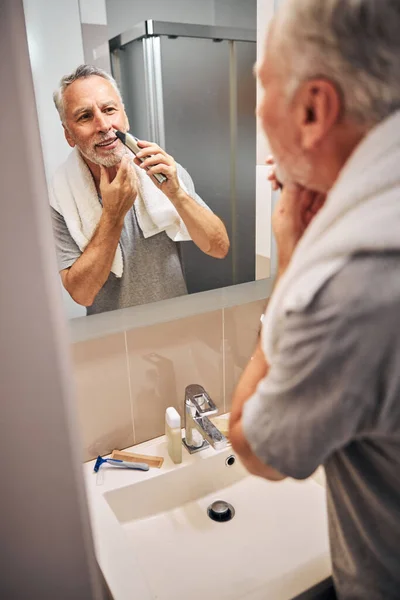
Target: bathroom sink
[
  {"x": 274, "y": 548},
  {"x": 177, "y": 489}
]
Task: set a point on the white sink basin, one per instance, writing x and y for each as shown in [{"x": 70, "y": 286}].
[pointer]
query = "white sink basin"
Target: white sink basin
[
  {"x": 176, "y": 489},
  {"x": 274, "y": 548}
]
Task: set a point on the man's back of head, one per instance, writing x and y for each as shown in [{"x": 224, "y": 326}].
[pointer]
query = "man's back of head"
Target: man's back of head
[
  {"x": 355, "y": 43},
  {"x": 336, "y": 64}
]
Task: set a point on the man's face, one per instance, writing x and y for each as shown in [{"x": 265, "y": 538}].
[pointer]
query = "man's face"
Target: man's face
[
  {"x": 278, "y": 119},
  {"x": 93, "y": 110}
]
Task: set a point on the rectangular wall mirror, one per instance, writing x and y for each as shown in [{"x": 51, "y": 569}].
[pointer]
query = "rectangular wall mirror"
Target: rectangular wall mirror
[{"x": 186, "y": 79}]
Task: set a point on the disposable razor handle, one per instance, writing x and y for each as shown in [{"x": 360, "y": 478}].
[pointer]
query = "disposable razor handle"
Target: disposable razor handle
[
  {"x": 128, "y": 465},
  {"x": 152, "y": 461},
  {"x": 119, "y": 463}
]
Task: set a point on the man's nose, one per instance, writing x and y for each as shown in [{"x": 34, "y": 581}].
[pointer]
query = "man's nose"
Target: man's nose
[{"x": 103, "y": 122}]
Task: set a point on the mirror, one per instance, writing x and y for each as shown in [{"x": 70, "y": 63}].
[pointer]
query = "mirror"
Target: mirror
[{"x": 186, "y": 80}]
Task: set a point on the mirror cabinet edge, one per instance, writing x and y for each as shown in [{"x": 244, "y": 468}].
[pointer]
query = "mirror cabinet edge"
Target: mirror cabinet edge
[{"x": 86, "y": 328}]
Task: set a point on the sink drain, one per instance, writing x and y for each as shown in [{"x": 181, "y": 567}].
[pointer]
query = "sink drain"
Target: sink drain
[{"x": 221, "y": 511}]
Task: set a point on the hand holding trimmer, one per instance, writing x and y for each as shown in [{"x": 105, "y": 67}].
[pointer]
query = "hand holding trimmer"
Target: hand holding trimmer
[{"x": 131, "y": 142}]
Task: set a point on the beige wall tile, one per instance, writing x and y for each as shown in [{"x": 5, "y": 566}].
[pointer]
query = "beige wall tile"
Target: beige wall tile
[
  {"x": 102, "y": 391},
  {"x": 241, "y": 327},
  {"x": 263, "y": 267},
  {"x": 164, "y": 359}
]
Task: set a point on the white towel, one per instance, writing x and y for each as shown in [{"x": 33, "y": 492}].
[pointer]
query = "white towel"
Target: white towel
[
  {"x": 155, "y": 213},
  {"x": 73, "y": 194},
  {"x": 361, "y": 213}
]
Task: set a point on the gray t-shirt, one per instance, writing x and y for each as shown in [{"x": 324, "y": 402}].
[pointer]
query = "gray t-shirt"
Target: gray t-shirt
[
  {"x": 332, "y": 398},
  {"x": 152, "y": 266}
]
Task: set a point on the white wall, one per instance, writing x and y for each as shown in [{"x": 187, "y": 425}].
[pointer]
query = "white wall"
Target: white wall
[
  {"x": 265, "y": 11},
  {"x": 45, "y": 543},
  {"x": 55, "y": 48},
  {"x": 93, "y": 12}
]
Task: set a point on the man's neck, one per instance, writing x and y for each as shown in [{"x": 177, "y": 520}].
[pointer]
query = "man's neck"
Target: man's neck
[{"x": 346, "y": 141}]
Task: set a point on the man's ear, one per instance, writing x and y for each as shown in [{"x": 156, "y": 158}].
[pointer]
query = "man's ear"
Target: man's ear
[
  {"x": 318, "y": 110},
  {"x": 68, "y": 137}
]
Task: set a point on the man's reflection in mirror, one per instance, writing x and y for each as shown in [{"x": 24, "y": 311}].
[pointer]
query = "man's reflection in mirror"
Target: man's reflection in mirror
[{"x": 117, "y": 230}]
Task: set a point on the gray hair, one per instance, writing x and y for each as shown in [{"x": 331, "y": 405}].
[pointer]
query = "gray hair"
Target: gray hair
[
  {"x": 82, "y": 72},
  {"x": 353, "y": 43}
]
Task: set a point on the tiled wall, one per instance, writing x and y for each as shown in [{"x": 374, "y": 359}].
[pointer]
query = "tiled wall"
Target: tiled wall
[{"x": 125, "y": 381}]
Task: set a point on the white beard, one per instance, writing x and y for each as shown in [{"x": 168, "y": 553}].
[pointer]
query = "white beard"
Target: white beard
[{"x": 110, "y": 160}]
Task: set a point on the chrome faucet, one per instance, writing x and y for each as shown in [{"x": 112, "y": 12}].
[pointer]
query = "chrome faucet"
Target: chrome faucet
[{"x": 198, "y": 407}]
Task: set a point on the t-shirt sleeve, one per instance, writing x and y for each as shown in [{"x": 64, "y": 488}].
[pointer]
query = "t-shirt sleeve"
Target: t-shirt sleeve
[
  {"x": 66, "y": 249},
  {"x": 188, "y": 182},
  {"x": 311, "y": 403}
]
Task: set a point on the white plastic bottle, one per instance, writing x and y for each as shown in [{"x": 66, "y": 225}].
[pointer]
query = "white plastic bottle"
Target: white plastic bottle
[{"x": 173, "y": 434}]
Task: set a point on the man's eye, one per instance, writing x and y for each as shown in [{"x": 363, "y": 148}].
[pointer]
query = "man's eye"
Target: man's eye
[
  {"x": 84, "y": 117},
  {"x": 110, "y": 109}
]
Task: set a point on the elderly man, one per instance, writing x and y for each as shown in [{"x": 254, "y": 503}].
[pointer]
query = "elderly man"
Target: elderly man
[
  {"x": 116, "y": 228},
  {"x": 323, "y": 385}
]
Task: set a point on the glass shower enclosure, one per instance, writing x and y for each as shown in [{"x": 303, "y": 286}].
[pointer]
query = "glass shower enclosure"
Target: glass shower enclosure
[{"x": 190, "y": 89}]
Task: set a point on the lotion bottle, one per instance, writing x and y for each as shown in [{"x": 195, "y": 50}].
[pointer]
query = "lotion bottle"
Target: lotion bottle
[{"x": 173, "y": 434}]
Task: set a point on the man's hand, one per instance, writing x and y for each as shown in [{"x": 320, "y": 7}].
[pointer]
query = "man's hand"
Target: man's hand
[
  {"x": 255, "y": 371},
  {"x": 156, "y": 160},
  {"x": 293, "y": 213},
  {"x": 118, "y": 195},
  {"x": 85, "y": 278},
  {"x": 205, "y": 229}
]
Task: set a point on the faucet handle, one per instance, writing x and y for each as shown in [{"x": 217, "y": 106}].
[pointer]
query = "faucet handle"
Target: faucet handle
[{"x": 198, "y": 396}]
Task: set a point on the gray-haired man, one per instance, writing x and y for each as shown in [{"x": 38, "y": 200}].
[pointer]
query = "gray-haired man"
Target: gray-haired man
[
  {"x": 323, "y": 386},
  {"x": 105, "y": 260}
]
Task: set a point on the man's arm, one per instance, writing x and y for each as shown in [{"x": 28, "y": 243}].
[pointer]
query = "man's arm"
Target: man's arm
[
  {"x": 84, "y": 279},
  {"x": 256, "y": 370},
  {"x": 293, "y": 213},
  {"x": 206, "y": 229}
]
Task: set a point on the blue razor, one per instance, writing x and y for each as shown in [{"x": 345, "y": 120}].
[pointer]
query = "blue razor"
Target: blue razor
[{"x": 115, "y": 462}]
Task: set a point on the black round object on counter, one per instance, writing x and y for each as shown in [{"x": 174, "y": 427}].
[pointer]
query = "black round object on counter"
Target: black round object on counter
[{"x": 221, "y": 511}]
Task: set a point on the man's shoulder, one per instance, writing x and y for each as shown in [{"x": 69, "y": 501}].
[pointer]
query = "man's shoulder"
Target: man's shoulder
[
  {"x": 358, "y": 301},
  {"x": 368, "y": 285}
]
